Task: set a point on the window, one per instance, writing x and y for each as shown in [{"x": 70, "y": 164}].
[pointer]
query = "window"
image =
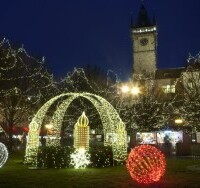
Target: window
[
  {"x": 190, "y": 85},
  {"x": 168, "y": 88}
]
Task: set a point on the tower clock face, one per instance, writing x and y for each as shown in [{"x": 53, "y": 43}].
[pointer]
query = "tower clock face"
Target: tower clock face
[{"x": 144, "y": 41}]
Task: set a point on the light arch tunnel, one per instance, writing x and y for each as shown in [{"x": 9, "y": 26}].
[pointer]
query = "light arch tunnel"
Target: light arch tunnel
[{"x": 110, "y": 119}]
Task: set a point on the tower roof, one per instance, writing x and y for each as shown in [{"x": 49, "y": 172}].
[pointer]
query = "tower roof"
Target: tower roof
[{"x": 143, "y": 18}]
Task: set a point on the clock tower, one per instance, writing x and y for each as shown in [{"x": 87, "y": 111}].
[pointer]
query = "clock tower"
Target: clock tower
[{"x": 144, "y": 39}]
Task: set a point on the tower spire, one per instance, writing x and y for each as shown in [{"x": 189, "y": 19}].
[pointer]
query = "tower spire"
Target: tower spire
[
  {"x": 154, "y": 20},
  {"x": 132, "y": 22},
  {"x": 143, "y": 18}
]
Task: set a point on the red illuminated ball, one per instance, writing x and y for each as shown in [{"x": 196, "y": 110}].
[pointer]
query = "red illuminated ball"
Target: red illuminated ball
[{"x": 146, "y": 164}]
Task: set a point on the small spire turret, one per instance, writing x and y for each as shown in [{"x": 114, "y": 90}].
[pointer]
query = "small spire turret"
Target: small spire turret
[
  {"x": 132, "y": 22},
  {"x": 154, "y": 20},
  {"x": 143, "y": 18}
]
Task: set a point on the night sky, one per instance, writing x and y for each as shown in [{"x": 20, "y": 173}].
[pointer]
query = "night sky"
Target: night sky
[{"x": 73, "y": 33}]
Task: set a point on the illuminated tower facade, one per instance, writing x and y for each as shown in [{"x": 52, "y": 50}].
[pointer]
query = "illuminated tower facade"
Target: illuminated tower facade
[
  {"x": 144, "y": 40},
  {"x": 81, "y": 133}
]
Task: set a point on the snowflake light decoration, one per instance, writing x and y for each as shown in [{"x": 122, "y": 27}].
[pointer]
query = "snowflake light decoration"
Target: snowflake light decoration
[
  {"x": 80, "y": 158},
  {"x": 146, "y": 164},
  {"x": 3, "y": 154}
]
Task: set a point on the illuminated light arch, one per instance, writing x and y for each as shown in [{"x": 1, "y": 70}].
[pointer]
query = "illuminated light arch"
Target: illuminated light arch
[{"x": 111, "y": 122}]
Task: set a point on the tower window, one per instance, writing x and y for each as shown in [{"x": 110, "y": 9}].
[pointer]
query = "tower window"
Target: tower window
[{"x": 190, "y": 85}]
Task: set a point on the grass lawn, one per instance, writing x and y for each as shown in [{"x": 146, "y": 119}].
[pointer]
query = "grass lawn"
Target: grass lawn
[{"x": 15, "y": 174}]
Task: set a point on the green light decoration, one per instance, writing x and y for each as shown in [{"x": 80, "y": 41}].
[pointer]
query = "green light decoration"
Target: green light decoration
[
  {"x": 112, "y": 124},
  {"x": 81, "y": 133}
]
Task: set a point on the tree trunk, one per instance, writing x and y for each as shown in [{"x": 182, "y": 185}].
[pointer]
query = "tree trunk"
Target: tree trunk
[{"x": 10, "y": 139}]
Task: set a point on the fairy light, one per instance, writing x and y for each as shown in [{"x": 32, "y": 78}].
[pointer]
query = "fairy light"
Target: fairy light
[
  {"x": 146, "y": 164},
  {"x": 109, "y": 117},
  {"x": 3, "y": 154}
]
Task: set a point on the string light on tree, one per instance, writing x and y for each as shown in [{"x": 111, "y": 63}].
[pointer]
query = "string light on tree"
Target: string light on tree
[
  {"x": 146, "y": 164},
  {"x": 25, "y": 80}
]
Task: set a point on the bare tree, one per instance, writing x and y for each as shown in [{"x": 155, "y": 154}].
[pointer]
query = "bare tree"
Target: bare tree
[
  {"x": 190, "y": 86},
  {"x": 89, "y": 79},
  {"x": 149, "y": 111},
  {"x": 24, "y": 85}
]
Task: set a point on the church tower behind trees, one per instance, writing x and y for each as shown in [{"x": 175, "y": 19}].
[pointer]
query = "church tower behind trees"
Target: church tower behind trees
[{"x": 144, "y": 39}]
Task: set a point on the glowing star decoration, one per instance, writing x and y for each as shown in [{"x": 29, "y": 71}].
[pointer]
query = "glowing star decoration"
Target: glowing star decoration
[
  {"x": 81, "y": 133},
  {"x": 3, "y": 154},
  {"x": 146, "y": 164},
  {"x": 80, "y": 158}
]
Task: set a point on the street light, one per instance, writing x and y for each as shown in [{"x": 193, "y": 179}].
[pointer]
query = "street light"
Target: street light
[
  {"x": 130, "y": 93},
  {"x": 178, "y": 121},
  {"x": 125, "y": 89},
  {"x": 135, "y": 90},
  {"x": 131, "y": 90}
]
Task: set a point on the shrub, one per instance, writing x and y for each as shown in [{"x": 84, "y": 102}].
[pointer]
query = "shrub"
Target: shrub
[
  {"x": 54, "y": 157},
  {"x": 101, "y": 156},
  {"x": 59, "y": 157}
]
